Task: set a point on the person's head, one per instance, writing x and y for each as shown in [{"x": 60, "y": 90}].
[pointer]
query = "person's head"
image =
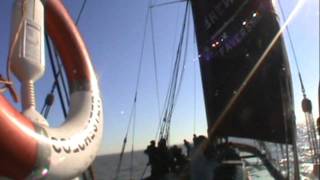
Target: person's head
[{"x": 153, "y": 143}]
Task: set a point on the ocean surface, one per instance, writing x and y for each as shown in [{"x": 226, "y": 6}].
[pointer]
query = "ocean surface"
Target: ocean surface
[{"x": 105, "y": 166}]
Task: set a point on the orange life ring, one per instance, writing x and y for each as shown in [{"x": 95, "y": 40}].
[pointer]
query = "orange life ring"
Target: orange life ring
[{"x": 28, "y": 149}]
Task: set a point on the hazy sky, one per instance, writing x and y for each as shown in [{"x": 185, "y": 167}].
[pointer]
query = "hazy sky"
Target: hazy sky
[{"x": 113, "y": 32}]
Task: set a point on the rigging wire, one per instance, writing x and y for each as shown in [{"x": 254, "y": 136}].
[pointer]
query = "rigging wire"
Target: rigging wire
[
  {"x": 194, "y": 84},
  {"x": 175, "y": 82},
  {"x": 293, "y": 51},
  {"x": 185, "y": 54},
  {"x": 155, "y": 63},
  {"x": 306, "y": 103},
  {"x": 81, "y": 11},
  {"x": 183, "y": 67},
  {"x": 62, "y": 78},
  {"x": 132, "y": 143},
  {"x": 167, "y": 3},
  {"x": 133, "y": 109},
  {"x": 136, "y": 90},
  {"x": 55, "y": 74},
  {"x": 59, "y": 72},
  {"x": 173, "y": 45},
  {"x": 311, "y": 130},
  {"x": 164, "y": 133},
  {"x": 194, "y": 98}
]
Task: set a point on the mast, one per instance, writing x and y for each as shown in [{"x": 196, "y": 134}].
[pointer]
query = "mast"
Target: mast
[{"x": 295, "y": 151}]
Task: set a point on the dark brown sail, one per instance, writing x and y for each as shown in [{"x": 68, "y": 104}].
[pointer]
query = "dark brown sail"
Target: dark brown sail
[{"x": 232, "y": 35}]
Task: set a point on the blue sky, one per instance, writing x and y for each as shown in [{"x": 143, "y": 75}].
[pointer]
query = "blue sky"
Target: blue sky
[{"x": 113, "y": 32}]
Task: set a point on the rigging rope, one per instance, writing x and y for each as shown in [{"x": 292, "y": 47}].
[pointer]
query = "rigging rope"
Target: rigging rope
[
  {"x": 293, "y": 51},
  {"x": 155, "y": 63},
  {"x": 175, "y": 82},
  {"x": 81, "y": 11},
  {"x": 55, "y": 74},
  {"x": 132, "y": 143},
  {"x": 173, "y": 45},
  {"x": 181, "y": 76},
  {"x": 59, "y": 72},
  {"x": 167, "y": 3},
  {"x": 194, "y": 84},
  {"x": 62, "y": 78},
  {"x": 133, "y": 109},
  {"x": 185, "y": 56},
  {"x": 306, "y": 103}
]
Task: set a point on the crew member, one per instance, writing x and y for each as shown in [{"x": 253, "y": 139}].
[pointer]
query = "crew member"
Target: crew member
[{"x": 188, "y": 147}]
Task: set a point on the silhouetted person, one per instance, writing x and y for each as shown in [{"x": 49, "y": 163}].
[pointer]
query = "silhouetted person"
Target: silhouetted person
[
  {"x": 158, "y": 159},
  {"x": 163, "y": 158},
  {"x": 188, "y": 147},
  {"x": 178, "y": 159},
  {"x": 198, "y": 140},
  {"x": 194, "y": 139},
  {"x": 201, "y": 139},
  {"x": 173, "y": 164},
  {"x": 151, "y": 151}
]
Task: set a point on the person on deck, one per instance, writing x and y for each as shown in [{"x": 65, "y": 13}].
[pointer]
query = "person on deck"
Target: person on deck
[
  {"x": 188, "y": 147},
  {"x": 194, "y": 139},
  {"x": 163, "y": 156},
  {"x": 179, "y": 160},
  {"x": 151, "y": 151},
  {"x": 198, "y": 140},
  {"x": 158, "y": 160}
]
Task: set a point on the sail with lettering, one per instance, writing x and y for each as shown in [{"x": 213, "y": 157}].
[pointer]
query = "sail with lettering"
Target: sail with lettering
[{"x": 232, "y": 36}]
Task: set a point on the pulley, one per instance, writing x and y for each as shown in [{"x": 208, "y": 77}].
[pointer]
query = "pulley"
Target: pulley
[{"x": 306, "y": 105}]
